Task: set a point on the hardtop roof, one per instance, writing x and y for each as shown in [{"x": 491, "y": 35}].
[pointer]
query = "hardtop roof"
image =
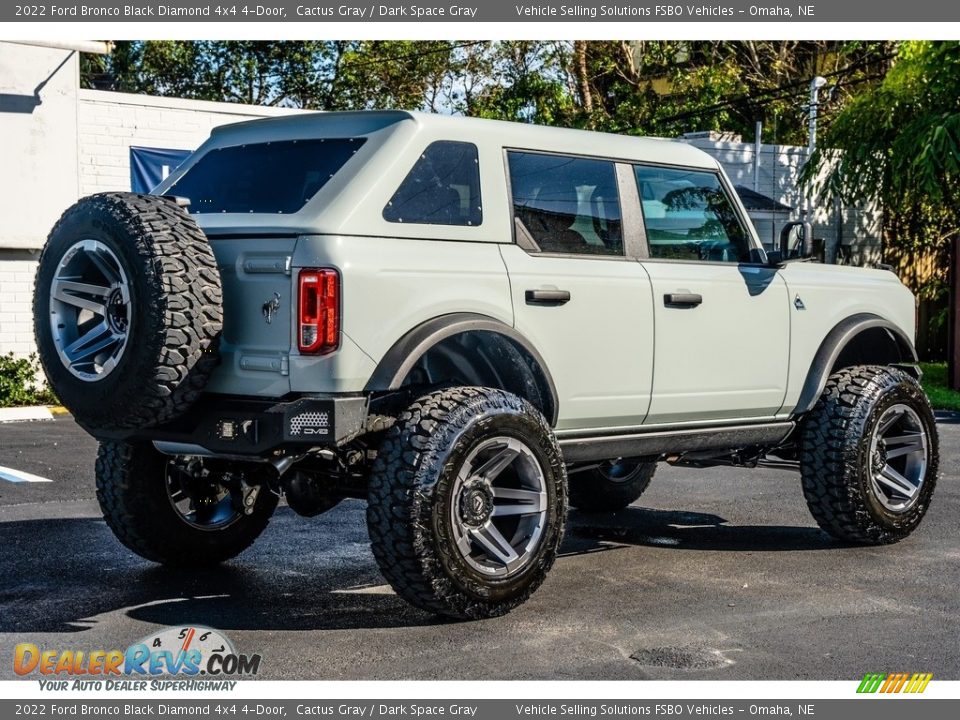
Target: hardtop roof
[{"x": 507, "y": 134}]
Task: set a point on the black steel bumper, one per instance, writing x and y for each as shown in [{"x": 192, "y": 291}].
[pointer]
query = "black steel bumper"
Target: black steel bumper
[{"x": 232, "y": 426}]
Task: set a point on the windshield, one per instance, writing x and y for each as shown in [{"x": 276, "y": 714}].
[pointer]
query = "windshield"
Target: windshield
[{"x": 270, "y": 177}]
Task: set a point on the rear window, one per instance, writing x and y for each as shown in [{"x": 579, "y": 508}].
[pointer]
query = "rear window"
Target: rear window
[{"x": 271, "y": 177}]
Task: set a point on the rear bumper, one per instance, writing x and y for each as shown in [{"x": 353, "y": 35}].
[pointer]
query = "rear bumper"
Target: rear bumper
[{"x": 234, "y": 426}]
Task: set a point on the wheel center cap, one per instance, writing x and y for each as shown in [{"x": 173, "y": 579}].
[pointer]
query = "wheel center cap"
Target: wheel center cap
[
  {"x": 116, "y": 311},
  {"x": 476, "y": 504}
]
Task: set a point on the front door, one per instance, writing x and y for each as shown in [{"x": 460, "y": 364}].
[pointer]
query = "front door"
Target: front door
[{"x": 722, "y": 333}]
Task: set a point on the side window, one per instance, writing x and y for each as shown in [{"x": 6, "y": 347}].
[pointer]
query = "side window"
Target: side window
[
  {"x": 566, "y": 204},
  {"x": 443, "y": 188},
  {"x": 689, "y": 217}
]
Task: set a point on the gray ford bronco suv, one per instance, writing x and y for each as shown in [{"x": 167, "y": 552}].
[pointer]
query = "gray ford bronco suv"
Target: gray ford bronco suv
[{"x": 469, "y": 324}]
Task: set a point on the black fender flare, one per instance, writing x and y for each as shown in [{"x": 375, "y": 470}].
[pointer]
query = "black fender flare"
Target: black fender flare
[
  {"x": 405, "y": 352},
  {"x": 833, "y": 345}
]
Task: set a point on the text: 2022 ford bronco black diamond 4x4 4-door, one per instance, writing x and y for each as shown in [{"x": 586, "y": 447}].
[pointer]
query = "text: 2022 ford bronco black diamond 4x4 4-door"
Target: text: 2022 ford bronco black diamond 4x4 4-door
[{"x": 469, "y": 324}]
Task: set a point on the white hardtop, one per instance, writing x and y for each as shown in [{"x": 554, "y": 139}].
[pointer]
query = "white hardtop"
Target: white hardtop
[
  {"x": 476, "y": 130},
  {"x": 352, "y": 202}
]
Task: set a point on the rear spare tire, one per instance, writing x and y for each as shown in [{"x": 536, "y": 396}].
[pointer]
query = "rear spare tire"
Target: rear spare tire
[{"x": 127, "y": 311}]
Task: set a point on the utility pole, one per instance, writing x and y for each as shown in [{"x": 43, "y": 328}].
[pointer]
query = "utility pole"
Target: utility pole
[{"x": 815, "y": 85}]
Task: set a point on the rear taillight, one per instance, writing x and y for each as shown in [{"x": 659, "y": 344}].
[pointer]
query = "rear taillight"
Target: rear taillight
[{"x": 318, "y": 328}]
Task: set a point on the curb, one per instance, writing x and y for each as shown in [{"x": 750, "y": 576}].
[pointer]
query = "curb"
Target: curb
[{"x": 24, "y": 414}]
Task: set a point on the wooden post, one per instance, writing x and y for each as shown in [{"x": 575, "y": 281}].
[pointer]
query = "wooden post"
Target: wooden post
[{"x": 953, "y": 339}]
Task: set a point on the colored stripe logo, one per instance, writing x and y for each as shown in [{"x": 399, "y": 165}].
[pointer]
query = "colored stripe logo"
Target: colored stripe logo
[{"x": 894, "y": 682}]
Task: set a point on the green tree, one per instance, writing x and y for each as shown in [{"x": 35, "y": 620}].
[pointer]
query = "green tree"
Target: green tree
[
  {"x": 254, "y": 72},
  {"x": 341, "y": 75},
  {"x": 370, "y": 75},
  {"x": 670, "y": 87},
  {"x": 899, "y": 143},
  {"x": 522, "y": 81}
]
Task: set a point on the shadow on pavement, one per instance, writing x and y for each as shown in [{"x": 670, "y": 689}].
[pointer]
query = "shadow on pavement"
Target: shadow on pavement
[
  {"x": 61, "y": 575},
  {"x": 685, "y": 531}
]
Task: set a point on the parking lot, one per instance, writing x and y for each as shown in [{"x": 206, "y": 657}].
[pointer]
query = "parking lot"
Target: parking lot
[{"x": 714, "y": 574}]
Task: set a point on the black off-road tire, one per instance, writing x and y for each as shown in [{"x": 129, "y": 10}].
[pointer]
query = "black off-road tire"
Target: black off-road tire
[
  {"x": 599, "y": 490},
  {"x": 835, "y": 450},
  {"x": 176, "y": 303},
  {"x": 133, "y": 496},
  {"x": 408, "y": 515}
]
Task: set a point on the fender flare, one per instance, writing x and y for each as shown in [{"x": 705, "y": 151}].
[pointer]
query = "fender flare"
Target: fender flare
[
  {"x": 405, "y": 352},
  {"x": 833, "y": 345}
]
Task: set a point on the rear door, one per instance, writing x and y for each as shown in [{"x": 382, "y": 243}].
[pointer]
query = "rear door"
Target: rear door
[
  {"x": 722, "y": 325},
  {"x": 577, "y": 296}
]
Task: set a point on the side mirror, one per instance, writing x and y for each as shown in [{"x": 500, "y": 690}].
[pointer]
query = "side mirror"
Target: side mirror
[{"x": 796, "y": 241}]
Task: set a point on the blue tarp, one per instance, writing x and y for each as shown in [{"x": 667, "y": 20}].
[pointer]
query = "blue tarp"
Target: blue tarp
[{"x": 149, "y": 166}]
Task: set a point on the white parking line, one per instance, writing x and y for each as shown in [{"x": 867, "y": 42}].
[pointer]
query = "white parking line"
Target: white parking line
[
  {"x": 366, "y": 590},
  {"x": 18, "y": 476},
  {"x": 20, "y": 414}
]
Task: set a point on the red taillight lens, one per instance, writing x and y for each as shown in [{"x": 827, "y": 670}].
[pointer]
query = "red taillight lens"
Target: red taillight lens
[{"x": 318, "y": 329}]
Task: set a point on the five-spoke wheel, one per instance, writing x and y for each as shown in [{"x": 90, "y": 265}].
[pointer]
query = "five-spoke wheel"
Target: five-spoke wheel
[
  {"x": 898, "y": 457},
  {"x": 90, "y": 312},
  {"x": 869, "y": 455},
  {"x": 499, "y": 506},
  {"x": 467, "y": 502}
]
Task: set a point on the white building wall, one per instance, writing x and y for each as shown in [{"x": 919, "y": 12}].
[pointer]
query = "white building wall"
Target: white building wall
[
  {"x": 778, "y": 176},
  {"x": 59, "y": 143},
  {"x": 38, "y": 141},
  {"x": 110, "y": 123},
  {"x": 38, "y": 172},
  {"x": 17, "y": 268}
]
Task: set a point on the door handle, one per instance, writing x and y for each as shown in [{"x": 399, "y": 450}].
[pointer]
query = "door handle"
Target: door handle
[
  {"x": 682, "y": 299},
  {"x": 547, "y": 297}
]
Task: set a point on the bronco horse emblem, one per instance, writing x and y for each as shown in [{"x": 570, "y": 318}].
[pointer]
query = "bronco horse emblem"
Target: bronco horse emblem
[{"x": 270, "y": 307}]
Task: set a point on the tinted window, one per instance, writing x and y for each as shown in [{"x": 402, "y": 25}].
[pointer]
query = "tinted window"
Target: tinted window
[
  {"x": 689, "y": 217},
  {"x": 273, "y": 177},
  {"x": 443, "y": 188},
  {"x": 568, "y": 205}
]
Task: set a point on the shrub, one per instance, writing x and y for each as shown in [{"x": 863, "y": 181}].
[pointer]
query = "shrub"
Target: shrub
[{"x": 19, "y": 384}]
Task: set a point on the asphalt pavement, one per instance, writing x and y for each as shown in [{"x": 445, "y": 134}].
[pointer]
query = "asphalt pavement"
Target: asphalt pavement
[{"x": 716, "y": 574}]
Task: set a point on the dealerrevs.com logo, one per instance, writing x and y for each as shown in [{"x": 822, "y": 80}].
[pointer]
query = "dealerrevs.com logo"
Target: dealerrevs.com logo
[{"x": 181, "y": 652}]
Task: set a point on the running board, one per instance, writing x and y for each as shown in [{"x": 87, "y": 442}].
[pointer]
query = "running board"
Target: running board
[{"x": 604, "y": 447}]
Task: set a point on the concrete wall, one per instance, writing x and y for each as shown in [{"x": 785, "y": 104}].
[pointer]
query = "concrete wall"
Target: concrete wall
[
  {"x": 59, "y": 143},
  {"x": 17, "y": 268},
  {"x": 38, "y": 137},
  {"x": 38, "y": 172},
  {"x": 110, "y": 123}
]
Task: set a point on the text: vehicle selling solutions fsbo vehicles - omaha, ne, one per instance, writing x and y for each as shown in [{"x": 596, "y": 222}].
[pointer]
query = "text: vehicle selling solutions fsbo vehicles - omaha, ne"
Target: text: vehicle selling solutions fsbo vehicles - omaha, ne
[{"x": 468, "y": 323}]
